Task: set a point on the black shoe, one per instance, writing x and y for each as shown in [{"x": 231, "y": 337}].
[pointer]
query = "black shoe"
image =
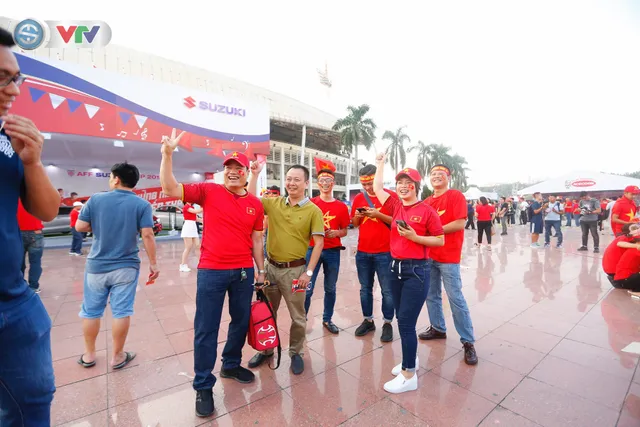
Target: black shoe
[
  {"x": 596, "y": 250},
  {"x": 503, "y": 234},
  {"x": 365, "y": 327},
  {"x": 331, "y": 327},
  {"x": 297, "y": 364},
  {"x": 387, "y": 333},
  {"x": 470, "y": 356},
  {"x": 582, "y": 248},
  {"x": 258, "y": 360},
  {"x": 204, "y": 403},
  {"x": 432, "y": 334},
  {"x": 240, "y": 374}
]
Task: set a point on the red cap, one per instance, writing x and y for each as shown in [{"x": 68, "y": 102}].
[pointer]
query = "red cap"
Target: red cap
[
  {"x": 413, "y": 174},
  {"x": 632, "y": 189},
  {"x": 238, "y": 157}
]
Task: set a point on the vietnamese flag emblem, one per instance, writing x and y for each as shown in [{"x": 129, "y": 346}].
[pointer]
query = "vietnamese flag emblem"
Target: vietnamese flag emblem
[
  {"x": 251, "y": 211},
  {"x": 324, "y": 164},
  {"x": 415, "y": 218}
]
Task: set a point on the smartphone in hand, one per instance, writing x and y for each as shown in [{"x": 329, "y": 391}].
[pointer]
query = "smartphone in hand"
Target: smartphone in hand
[
  {"x": 361, "y": 210},
  {"x": 402, "y": 223}
]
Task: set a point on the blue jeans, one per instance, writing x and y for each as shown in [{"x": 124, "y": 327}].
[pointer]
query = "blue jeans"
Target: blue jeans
[
  {"x": 26, "y": 368},
  {"x": 212, "y": 285},
  {"x": 34, "y": 246},
  {"x": 76, "y": 241},
  {"x": 577, "y": 217},
  {"x": 569, "y": 218},
  {"x": 548, "y": 225},
  {"x": 116, "y": 286},
  {"x": 368, "y": 265},
  {"x": 330, "y": 261},
  {"x": 410, "y": 285},
  {"x": 449, "y": 275}
]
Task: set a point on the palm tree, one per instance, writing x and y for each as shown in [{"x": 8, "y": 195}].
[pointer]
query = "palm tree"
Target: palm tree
[
  {"x": 395, "y": 151},
  {"x": 440, "y": 154},
  {"x": 459, "y": 170},
  {"x": 424, "y": 162},
  {"x": 355, "y": 129}
]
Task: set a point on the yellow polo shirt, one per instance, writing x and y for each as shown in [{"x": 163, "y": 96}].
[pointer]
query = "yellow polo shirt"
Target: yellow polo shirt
[{"x": 291, "y": 227}]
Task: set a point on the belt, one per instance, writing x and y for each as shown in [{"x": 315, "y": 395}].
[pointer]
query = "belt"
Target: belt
[{"x": 290, "y": 264}]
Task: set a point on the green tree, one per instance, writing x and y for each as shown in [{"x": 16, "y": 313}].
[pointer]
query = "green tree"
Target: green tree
[
  {"x": 426, "y": 192},
  {"x": 458, "y": 166},
  {"x": 424, "y": 163},
  {"x": 396, "y": 155},
  {"x": 355, "y": 129}
]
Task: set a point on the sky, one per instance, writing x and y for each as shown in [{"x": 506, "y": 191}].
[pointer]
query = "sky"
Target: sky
[{"x": 523, "y": 90}]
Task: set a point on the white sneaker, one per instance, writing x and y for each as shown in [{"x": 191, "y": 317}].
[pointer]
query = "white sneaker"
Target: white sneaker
[
  {"x": 184, "y": 268},
  {"x": 398, "y": 368},
  {"x": 400, "y": 384}
]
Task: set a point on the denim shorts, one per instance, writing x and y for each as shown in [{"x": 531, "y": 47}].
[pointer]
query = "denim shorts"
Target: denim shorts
[{"x": 117, "y": 286}]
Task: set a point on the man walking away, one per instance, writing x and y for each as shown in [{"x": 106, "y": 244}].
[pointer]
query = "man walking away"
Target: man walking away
[
  {"x": 552, "y": 220},
  {"x": 589, "y": 213},
  {"x": 445, "y": 269},
  {"x": 33, "y": 242},
  {"x": 115, "y": 218},
  {"x": 471, "y": 213},
  {"x": 373, "y": 256}
]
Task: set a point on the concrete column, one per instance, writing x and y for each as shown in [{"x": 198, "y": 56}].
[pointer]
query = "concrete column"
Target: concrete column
[
  {"x": 303, "y": 143},
  {"x": 282, "y": 169},
  {"x": 312, "y": 174}
]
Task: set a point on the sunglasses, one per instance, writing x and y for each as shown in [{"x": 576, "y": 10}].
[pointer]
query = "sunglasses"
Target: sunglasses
[{"x": 18, "y": 79}]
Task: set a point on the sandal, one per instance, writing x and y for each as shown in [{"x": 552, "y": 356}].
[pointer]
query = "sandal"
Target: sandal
[
  {"x": 129, "y": 357},
  {"x": 84, "y": 364}
]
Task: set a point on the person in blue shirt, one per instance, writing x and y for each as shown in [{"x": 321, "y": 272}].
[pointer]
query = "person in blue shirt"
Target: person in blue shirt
[
  {"x": 115, "y": 218},
  {"x": 536, "y": 219},
  {"x": 26, "y": 368}
]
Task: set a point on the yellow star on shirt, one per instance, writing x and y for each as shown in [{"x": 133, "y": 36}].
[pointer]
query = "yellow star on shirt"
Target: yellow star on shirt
[
  {"x": 631, "y": 215},
  {"x": 327, "y": 219},
  {"x": 366, "y": 218},
  {"x": 441, "y": 212}
]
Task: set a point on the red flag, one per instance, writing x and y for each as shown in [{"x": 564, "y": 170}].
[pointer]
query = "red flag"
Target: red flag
[{"x": 324, "y": 164}]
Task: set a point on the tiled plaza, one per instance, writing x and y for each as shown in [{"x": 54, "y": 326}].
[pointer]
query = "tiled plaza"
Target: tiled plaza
[{"x": 549, "y": 337}]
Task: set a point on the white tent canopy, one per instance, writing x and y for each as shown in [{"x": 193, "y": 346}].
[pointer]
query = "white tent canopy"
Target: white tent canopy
[
  {"x": 581, "y": 181},
  {"x": 474, "y": 193}
]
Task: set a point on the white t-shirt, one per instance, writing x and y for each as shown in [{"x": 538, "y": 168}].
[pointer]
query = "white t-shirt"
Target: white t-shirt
[
  {"x": 610, "y": 205},
  {"x": 524, "y": 205},
  {"x": 551, "y": 215}
]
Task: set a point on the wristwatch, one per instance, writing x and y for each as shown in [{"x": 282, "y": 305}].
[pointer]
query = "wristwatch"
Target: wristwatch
[
  {"x": 309, "y": 273},
  {"x": 260, "y": 271}
]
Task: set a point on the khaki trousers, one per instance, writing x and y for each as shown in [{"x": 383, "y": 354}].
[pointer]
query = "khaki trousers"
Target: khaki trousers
[{"x": 281, "y": 280}]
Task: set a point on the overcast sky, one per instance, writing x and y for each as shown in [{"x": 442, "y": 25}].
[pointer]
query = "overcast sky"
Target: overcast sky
[{"x": 523, "y": 90}]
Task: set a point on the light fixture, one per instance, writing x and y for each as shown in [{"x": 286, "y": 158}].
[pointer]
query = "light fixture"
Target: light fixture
[
  {"x": 118, "y": 143},
  {"x": 46, "y": 135}
]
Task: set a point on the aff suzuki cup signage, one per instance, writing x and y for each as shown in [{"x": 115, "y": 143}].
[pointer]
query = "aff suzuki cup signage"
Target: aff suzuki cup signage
[{"x": 32, "y": 33}]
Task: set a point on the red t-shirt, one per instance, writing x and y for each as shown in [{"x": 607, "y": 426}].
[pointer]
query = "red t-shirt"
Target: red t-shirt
[
  {"x": 188, "y": 216},
  {"x": 336, "y": 217},
  {"x": 73, "y": 217},
  {"x": 568, "y": 207},
  {"x": 26, "y": 221},
  {"x": 484, "y": 212},
  {"x": 613, "y": 253},
  {"x": 419, "y": 216},
  {"x": 450, "y": 206},
  {"x": 231, "y": 219},
  {"x": 629, "y": 264},
  {"x": 373, "y": 237},
  {"x": 626, "y": 211}
]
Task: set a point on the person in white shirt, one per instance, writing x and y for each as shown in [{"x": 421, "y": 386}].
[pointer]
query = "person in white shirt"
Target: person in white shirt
[
  {"x": 522, "y": 207},
  {"x": 609, "y": 207},
  {"x": 553, "y": 211}
]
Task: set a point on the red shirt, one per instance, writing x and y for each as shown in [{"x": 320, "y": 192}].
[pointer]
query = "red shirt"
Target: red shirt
[
  {"x": 26, "y": 221},
  {"x": 231, "y": 219},
  {"x": 613, "y": 253},
  {"x": 568, "y": 207},
  {"x": 626, "y": 211},
  {"x": 629, "y": 264},
  {"x": 451, "y": 206},
  {"x": 484, "y": 212},
  {"x": 419, "y": 216},
  {"x": 188, "y": 216},
  {"x": 336, "y": 217},
  {"x": 373, "y": 237},
  {"x": 603, "y": 206},
  {"x": 73, "y": 217}
]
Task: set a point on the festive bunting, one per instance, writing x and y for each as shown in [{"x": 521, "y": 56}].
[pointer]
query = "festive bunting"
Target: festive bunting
[
  {"x": 73, "y": 105},
  {"x": 140, "y": 119},
  {"x": 36, "y": 94},
  {"x": 124, "y": 116},
  {"x": 91, "y": 110},
  {"x": 56, "y": 100}
]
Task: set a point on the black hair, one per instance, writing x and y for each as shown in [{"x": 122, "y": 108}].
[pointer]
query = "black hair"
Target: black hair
[
  {"x": 329, "y": 171},
  {"x": 303, "y": 168},
  {"x": 583, "y": 194},
  {"x": 60, "y": 189},
  {"x": 73, "y": 193},
  {"x": 128, "y": 174},
  {"x": 367, "y": 170},
  {"x": 274, "y": 188},
  {"x": 626, "y": 229},
  {"x": 614, "y": 198},
  {"x": 6, "y": 39},
  {"x": 484, "y": 200}
]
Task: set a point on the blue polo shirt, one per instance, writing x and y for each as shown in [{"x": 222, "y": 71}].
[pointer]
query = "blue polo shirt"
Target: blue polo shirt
[{"x": 13, "y": 288}]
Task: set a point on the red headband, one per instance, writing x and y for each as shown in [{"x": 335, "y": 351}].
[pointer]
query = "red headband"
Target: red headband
[
  {"x": 366, "y": 178},
  {"x": 442, "y": 169}
]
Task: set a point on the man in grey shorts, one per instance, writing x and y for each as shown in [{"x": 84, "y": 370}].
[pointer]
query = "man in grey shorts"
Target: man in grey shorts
[{"x": 113, "y": 266}]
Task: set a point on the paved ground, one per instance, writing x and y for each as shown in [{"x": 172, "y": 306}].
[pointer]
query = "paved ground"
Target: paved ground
[{"x": 550, "y": 334}]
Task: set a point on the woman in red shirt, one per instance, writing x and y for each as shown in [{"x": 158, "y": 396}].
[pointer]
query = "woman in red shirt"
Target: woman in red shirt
[
  {"x": 485, "y": 213},
  {"x": 415, "y": 227},
  {"x": 189, "y": 233},
  {"x": 615, "y": 250}
]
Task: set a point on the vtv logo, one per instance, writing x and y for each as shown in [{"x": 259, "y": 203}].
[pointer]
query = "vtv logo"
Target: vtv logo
[{"x": 77, "y": 32}]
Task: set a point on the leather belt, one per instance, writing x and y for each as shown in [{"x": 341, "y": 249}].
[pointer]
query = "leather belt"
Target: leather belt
[{"x": 290, "y": 264}]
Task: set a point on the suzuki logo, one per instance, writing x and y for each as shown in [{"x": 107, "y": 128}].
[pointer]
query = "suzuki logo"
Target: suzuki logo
[{"x": 189, "y": 102}]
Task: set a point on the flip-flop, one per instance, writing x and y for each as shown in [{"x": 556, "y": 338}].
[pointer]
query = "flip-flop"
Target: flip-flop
[
  {"x": 84, "y": 364},
  {"x": 129, "y": 357}
]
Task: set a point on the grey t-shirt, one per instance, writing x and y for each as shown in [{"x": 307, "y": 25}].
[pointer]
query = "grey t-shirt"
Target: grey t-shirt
[{"x": 592, "y": 205}]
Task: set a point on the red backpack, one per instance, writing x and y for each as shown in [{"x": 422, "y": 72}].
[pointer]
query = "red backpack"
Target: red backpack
[{"x": 263, "y": 330}]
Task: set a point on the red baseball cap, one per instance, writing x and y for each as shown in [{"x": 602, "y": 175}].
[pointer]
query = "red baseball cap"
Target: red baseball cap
[
  {"x": 413, "y": 175},
  {"x": 632, "y": 189},
  {"x": 238, "y": 157}
]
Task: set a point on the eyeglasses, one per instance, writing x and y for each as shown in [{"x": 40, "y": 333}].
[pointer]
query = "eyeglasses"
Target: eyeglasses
[
  {"x": 18, "y": 79},
  {"x": 325, "y": 181}
]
